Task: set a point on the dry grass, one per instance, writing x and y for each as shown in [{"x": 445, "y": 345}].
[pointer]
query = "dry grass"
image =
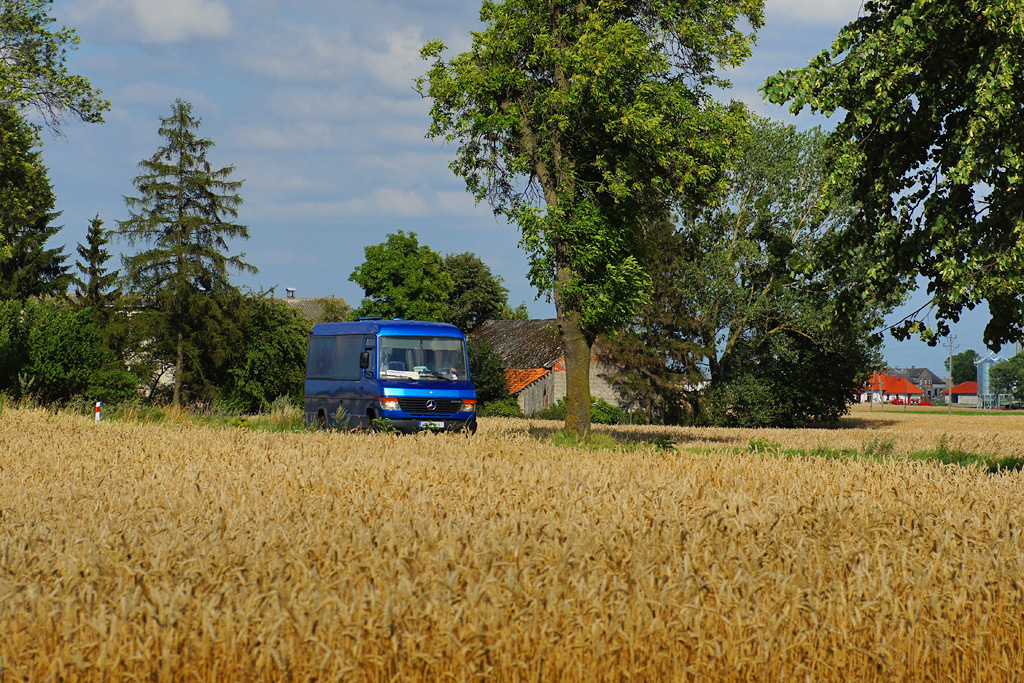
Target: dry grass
[{"x": 142, "y": 552}]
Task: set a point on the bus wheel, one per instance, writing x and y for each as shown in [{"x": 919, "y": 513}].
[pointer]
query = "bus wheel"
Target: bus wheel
[{"x": 321, "y": 419}]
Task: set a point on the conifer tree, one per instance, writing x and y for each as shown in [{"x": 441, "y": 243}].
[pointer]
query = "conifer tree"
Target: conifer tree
[
  {"x": 26, "y": 215},
  {"x": 183, "y": 219},
  {"x": 95, "y": 284}
]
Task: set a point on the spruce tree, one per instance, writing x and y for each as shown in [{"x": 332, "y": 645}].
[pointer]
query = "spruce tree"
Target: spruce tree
[
  {"x": 182, "y": 220},
  {"x": 29, "y": 269},
  {"x": 95, "y": 284}
]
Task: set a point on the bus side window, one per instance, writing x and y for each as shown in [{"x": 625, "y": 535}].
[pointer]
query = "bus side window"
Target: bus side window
[{"x": 321, "y": 353}]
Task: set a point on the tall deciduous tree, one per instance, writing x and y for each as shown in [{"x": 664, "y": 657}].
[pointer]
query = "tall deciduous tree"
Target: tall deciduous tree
[
  {"x": 33, "y": 70},
  {"x": 933, "y": 133},
  {"x": 736, "y": 305},
  {"x": 27, "y": 215},
  {"x": 965, "y": 366},
  {"x": 477, "y": 293},
  {"x": 1007, "y": 377},
  {"x": 182, "y": 220},
  {"x": 403, "y": 279},
  {"x": 578, "y": 118}
]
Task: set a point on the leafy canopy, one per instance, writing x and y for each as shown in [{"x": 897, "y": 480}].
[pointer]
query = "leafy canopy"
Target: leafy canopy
[
  {"x": 932, "y": 148},
  {"x": 579, "y": 119},
  {"x": 29, "y": 268},
  {"x": 403, "y": 279},
  {"x": 1007, "y": 377},
  {"x": 965, "y": 366},
  {"x": 575, "y": 118},
  {"x": 33, "y": 67},
  {"x": 741, "y": 319},
  {"x": 477, "y": 294}
]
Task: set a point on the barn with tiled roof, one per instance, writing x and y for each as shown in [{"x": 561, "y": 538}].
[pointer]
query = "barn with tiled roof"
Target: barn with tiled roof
[{"x": 534, "y": 362}]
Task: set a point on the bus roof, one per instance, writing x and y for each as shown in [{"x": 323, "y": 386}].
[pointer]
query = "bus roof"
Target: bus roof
[{"x": 396, "y": 327}]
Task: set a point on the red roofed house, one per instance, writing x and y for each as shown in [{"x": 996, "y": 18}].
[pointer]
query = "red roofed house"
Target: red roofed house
[
  {"x": 531, "y": 352},
  {"x": 883, "y": 388},
  {"x": 965, "y": 393}
]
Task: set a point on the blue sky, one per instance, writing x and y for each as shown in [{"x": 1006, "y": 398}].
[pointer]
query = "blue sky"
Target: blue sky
[{"x": 312, "y": 102}]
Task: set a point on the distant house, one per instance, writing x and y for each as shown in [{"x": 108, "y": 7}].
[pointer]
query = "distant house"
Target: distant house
[
  {"x": 534, "y": 361},
  {"x": 884, "y": 387},
  {"x": 311, "y": 308},
  {"x": 927, "y": 381},
  {"x": 965, "y": 393}
]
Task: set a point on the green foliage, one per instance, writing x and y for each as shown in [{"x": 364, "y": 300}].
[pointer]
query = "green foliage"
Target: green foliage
[
  {"x": 182, "y": 222},
  {"x": 490, "y": 381},
  {"x": 270, "y": 360},
  {"x": 1007, "y": 377},
  {"x": 602, "y": 113},
  {"x": 965, "y": 367},
  {"x": 95, "y": 283},
  {"x": 27, "y": 201},
  {"x": 33, "y": 72},
  {"x": 763, "y": 445},
  {"x": 601, "y": 412},
  {"x": 500, "y": 407},
  {"x": 520, "y": 312},
  {"x": 333, "y": 310},
  {"x": 931, "y": 147},
  {"x": 403, "y": 279},
  {"x": 476, "y": 295},
  {"x": 741, "y": 321},
  {"x": 879, "y": 446},
  {"x": 382, "y": 425},
  {"x": 55, "y": 352}
]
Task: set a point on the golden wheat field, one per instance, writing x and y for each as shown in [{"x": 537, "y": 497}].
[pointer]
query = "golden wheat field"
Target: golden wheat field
[{"x": 136, "y": 552}]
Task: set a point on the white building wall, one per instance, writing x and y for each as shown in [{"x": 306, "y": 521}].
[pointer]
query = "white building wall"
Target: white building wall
[{"x": 552, "y": 388}]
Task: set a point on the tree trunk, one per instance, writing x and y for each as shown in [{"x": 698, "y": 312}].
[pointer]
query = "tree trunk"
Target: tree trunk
[
  {"x": 577, "y": 375},
  {"x": 176, "y": 398},
  {"x": 577, "y": 362}
]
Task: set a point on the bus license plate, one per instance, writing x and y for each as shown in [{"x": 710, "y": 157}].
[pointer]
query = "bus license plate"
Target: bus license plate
[{"x": 431, "y": 424}]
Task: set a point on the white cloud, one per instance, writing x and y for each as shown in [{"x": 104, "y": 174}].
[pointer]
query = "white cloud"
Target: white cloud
[
  {"x": 154, "y": 21},
  {"x": 299, "y": 137},
  {"x": 300, "y": 53},
  {"x": 384, "y": 202},
  {"x": 343, "y": 103},
  {"x": 400, "y": 63},
  {"x": 153, "y": 94},
  {"x": 816, "y": 11}
]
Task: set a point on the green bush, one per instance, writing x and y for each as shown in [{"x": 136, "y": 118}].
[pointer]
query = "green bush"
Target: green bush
[
  {"x": 601, "y": 412},
  {"x": 271, "y": 359},
  {"x": 502, "y": 407},
  {"x": 55, "y": 352},
  {"x": 489, "y": 379}
]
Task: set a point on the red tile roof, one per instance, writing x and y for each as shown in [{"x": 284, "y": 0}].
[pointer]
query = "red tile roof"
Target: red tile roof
[
  {"x": 969, "y": 388},
  {"x": 891, "y": 384},
  {"x": 520, "y": 378}
]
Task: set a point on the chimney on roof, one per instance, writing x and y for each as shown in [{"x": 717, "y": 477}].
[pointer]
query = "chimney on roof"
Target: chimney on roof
[{"x": 289, "y": 292}]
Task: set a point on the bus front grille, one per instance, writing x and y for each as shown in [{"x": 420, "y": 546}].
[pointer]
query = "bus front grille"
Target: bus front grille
[{"x": 430, "y": 406}]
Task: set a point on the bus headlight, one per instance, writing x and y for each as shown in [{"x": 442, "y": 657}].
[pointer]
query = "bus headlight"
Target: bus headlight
[
  {"x": 468, "y": 405},
  {"x": 388, "y": 403}
]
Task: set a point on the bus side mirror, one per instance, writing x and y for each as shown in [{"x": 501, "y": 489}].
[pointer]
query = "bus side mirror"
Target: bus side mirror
[
  {"x": 477, "y": 364},
  {"x": 364, "y": 360}
]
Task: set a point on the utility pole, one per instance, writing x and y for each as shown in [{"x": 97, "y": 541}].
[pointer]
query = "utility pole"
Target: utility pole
[{"x": 949, "y": 391}]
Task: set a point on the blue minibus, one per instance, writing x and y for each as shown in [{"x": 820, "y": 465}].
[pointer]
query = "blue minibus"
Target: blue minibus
[{"x": 409, "y": 374}]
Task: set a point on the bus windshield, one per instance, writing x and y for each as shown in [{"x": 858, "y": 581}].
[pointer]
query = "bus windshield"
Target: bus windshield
[{"x": 435, "y": 359}]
